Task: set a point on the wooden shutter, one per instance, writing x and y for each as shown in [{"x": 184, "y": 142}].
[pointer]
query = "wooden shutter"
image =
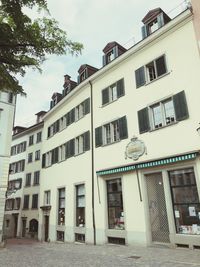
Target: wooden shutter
[
  {"x": 57, "y": 126},
  {"x": 72, "y": 115},
  {"x": 43, "y": 160},
  {"x": 143, "y": 120},
  {"x": 123, "y": 131},
  {"x": 105, "y": 96},
  {"x": 160, "y": 20},
  {"x": 120, "y": 88},
  {"x": 51, "y": 104},
  {"x": 104, "y": 60},
  {"x": 72, "y": 147},
  {"x": 86, "y": 140},
  {"x": 56, "y": 155},
  {"x": 87, "y": 106},
  {"x": 98, "y": 136},
  {"x": 115, "y": 51},
  {"x": 161, "y": 66},
  {"x": 144, "y": 30},
  {"x": 180, "y": 106},
  {"x": 48, "y": 133},
  {"x": 140, "y": 77},
  {"x": 68, "y": 118}
]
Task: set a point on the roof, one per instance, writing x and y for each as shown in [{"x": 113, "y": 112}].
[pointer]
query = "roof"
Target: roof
[
  {"x": 110, "y": 45},
  {"x": 153, "y": 13},
  {"x": 84, "y": 66}
]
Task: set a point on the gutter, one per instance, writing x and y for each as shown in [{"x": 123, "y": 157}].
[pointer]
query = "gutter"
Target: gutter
[{"x": 92, "y": 157}]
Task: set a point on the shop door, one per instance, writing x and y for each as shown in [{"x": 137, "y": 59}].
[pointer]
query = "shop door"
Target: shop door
[
  {"x": 46, "y": 228},
  {"x": 157, "y": 208}
]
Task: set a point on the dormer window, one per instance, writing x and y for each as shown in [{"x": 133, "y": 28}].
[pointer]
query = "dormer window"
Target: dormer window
[
  {"x": 155, "y": 19},
  {"x": 111, "y": 51},
  {"x": 83, "y": 75},
  {"x": 85, "y": 71}
]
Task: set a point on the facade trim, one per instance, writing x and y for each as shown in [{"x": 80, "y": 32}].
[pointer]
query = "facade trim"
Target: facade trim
[{"x": 149, "y": 164}]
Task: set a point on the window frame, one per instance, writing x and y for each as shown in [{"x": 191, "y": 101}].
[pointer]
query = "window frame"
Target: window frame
[
  {"x": 118, "y": 222},
  {"x": 61, "y": 210},
  {"x": 80, "y": 221}
]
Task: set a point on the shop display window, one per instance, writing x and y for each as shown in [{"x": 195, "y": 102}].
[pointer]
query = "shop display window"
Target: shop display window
[
  {"x": 185, "y": 200},
  {"x": 115, "y": 204}
]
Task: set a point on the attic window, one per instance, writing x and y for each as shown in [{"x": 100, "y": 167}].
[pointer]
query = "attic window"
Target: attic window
[
  {"x": 110, "y": 56},
  {"x": 153, "y": 26},
  {"x": 83, "y": 76}
]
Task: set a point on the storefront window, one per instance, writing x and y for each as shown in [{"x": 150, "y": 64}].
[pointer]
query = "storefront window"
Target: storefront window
[
  {"x": 185, "y": 199},
  {"x": 61, "y": 206},
  {"x": 115, "y": 204},
  {"x": 80, "y": 205}
]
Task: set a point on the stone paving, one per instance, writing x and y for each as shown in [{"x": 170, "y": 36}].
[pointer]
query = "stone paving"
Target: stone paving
[{"x": 26, "y": 253}]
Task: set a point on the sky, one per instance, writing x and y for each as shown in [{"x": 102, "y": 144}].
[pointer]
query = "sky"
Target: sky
[{"x": 93, "y": 23}]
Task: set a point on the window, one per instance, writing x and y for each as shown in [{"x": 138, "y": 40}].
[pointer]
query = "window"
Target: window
[
  {"x": 18, "y": 148},
  {"x": 7, "y": 223},
  {"x": 17, "y": 203},
  {"x": 10, "y": 98},
  {"x": 60, "y": 236},
  {"x": 111, "y": 132},
  {"x": 61, "y": 206},
  {"x": 61, "y": 152},
  {"x": 37, "y": 155},
  {"x": 185, "y": 200},
  {"x": 63, "y": 123},
  {"x": 163, "y": 113},
  {"x": 80, "y": 205},
  {"x": 35, "y": 201},
  {"x": 79, "y": 145},
  {"x": 36, "y": 179},
  {"x": 150, "y": 71},
  {"x": 9, "y": 204},
  {"x": 47, "y": 198},
  {"x": 31, "y": 138},
  {"x": 113, "y": 92},
  {"x": 115, "y": 204},
  {"x": 30, "y": 157},
  {"x": 14, "y": 184},
  {"x": 28, "y": 179},
  {"x": 39, "y": 137},
  {"x": 26, "y": 202},
  {"x": 80, "y": 238},
  {"x": 18, "y": 166}
]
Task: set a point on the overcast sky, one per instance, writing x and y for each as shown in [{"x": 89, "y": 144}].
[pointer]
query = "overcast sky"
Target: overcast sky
[{"x": 93, "y": 23}]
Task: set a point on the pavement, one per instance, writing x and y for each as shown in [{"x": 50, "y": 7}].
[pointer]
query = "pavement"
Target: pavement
[{"x": 29, "y": 253}]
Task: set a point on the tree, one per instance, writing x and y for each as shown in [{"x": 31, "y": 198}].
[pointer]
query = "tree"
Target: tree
[{"x": 25, "y": 42}]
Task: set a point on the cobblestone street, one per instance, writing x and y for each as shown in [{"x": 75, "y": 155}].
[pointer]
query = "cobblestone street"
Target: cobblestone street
[{"x": 25, "y": 253}]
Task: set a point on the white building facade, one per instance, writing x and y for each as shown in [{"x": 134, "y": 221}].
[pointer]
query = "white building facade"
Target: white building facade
[
  {"x": 89, "y": 191},
  {"x": 7, "y": 110},
  {"x": 21, "y": 209}
]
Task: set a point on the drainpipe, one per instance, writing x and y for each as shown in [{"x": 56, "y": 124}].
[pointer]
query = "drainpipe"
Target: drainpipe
[{"x": 92, "y": 154}]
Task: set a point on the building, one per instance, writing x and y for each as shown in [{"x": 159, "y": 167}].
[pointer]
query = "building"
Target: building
[
  {"x": 7, "y": 110},
  {"x": 21, "y": 209},
  {"x": 90, "y": 192}
]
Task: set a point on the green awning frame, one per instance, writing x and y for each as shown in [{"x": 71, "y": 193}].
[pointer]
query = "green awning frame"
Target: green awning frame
[{"x": 148, "y": 164}]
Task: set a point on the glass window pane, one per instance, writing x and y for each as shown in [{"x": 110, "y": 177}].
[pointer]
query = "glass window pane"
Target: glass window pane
[
  {"x": 169, "y": 111},
  {"x": 185, "y": 194},
  {"x": 157, "y": 116}
]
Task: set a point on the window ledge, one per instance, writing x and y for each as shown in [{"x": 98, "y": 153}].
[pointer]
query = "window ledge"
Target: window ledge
[
  {"x": 104, "y": 145},
  {"x": 160, "y": 77},
  {"x": 165, "y": 126}
]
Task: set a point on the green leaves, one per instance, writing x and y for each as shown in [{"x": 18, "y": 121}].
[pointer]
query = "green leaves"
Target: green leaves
[{"x": 25, "y": 43}]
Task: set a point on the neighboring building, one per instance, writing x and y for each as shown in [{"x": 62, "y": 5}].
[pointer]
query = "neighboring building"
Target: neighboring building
[
  {"x": 89, "y": 192},
  {"x": 7, "y": 111},
  {"x": 21, "y": 210}
]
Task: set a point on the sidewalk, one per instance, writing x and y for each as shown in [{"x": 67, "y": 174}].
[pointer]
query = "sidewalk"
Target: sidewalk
[{"x": 29, "y": 253}]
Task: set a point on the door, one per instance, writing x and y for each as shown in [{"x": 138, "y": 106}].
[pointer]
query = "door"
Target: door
[
  {"x": 23, "y": 227},
  {"x": 15, "y": 224},
  {"x": 157, "y": 208},
  {"x": 46, "y": 228}
]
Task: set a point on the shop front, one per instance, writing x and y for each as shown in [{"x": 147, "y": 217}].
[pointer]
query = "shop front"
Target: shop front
[{"x": 170, "y": 195}]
